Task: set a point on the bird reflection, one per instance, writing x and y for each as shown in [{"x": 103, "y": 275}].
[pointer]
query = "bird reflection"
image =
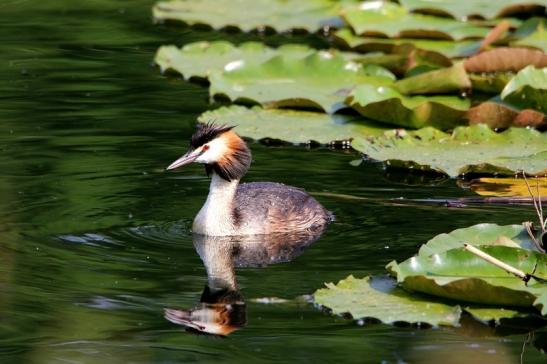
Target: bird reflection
[{"x": 222, "y": 308}]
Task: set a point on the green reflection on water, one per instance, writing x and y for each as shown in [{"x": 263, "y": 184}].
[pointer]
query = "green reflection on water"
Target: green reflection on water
[{"x": 95, "y": 237}]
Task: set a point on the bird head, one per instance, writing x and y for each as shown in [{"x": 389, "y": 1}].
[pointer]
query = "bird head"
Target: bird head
[{"x": 220, "y": 149}]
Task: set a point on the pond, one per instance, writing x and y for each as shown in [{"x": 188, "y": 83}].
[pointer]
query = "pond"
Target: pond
[{"x": 95, "y": 236}]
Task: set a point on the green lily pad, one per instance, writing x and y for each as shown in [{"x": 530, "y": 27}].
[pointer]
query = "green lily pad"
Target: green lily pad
[
  {"x": 460, "y": 275},
  {"x": 201, "y": 58},
  {"x": 475, "y": 148},
  {"x": 292, "y": 126},
  {"x": 389, "y": 304},
  {"x": 391, "y": 20},
  {"x": 481, "y": 234},
  {"x": 484, "y": 8},
  {"x": 445, "y": 80},
  {"x": 247, "y": 15},
  {"x": 321, "y": 81},
  {"x": 492, "y": 83},
  {"x": 528, "y": 89},
  {"x": 448, "y": 48},
  {"x": 386, "y": 104},
  {"x": 532, "y": 33}
]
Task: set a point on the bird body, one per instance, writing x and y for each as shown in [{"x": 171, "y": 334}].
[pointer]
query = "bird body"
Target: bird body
[{"x": 232, "y": 208}]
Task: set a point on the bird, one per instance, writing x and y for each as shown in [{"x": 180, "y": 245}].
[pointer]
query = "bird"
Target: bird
[{"x": 233, "y": 208}]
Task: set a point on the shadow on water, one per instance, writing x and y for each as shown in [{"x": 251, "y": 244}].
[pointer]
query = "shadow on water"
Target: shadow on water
[{"x": 222, "y": 308}]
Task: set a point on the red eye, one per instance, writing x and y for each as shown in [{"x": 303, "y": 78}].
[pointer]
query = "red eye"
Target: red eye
[{"x": 205, "y": 147}]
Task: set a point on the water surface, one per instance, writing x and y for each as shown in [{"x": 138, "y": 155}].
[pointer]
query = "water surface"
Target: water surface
[{"x": 95, "y": 237}]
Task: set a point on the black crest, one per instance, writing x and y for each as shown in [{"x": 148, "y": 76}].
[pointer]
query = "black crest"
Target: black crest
[{"x": 207, "y": 132}]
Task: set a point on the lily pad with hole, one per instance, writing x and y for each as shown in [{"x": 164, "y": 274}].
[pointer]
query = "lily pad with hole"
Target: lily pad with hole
[
  {"x": 346, "y": 38},
  {"x": 321, "y": 81},
  {"x": 378, "y": 18},
  {"x": 528, "y": 89},
  {"x": 247, "y": 15},
  {"x": 483, "y": 8},
  {"x": 475, "y": 148},
  {"x": 293, "y": 126},
  {"x": 201, "y": 58},
  {"x": 460, "y": 275},
  {"x": 386, "y": 104}
]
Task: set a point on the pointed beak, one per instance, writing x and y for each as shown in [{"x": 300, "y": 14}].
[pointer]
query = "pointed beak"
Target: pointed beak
[{"x": 188, "y": 158}]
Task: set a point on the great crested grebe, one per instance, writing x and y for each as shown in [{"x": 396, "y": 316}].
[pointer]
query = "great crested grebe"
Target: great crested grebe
[{"x": 249, "y": 208}]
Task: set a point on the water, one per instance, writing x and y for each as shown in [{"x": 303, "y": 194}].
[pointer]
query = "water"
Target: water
[{"x": 95, "y": 238}]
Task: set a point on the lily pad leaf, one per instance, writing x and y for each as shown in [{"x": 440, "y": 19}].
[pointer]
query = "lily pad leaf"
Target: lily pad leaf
[
  {"x": 321, "y": 81},
  {"x": 386, "y": 104},
  {"x": 460, "y": 275},
  {"x": 480, "y": 234},
  {"x": 247, "y": 15},
  {"x": 445, "y": 80},
  {"x": 499, "y": 115},
  {"x": 448, "y": 48},
  {"x": 201, "y": 58},
  {"x": 532, "y": 33},
  {"x": 528, "y": 89},
  {"x": 383, "y": 300},
  {"x": 293, "y": 126},
  {"x": 483, "y": 8},
  {"x": 475, "y": 148},
  {"x": 505, "y": 59},
  {"x": 391, "y": 20}
]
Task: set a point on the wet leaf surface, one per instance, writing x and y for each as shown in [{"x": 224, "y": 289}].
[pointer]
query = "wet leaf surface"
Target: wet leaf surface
[
  {"x": 528, "y": 89},
  {"x": 319, "y": 81},
  {"x": 468, "y": 149},
  {"x": 385, "y": 302},
  {"x": 483, "y": 8},
  {"x": 448, "y": 48},
  {"x": 201, "y": 58},
  {"x": 292, "y": 126},
  {"x": 247, "y": 15},
  {"x": 392, "y": 20},
  {"x": 386, "y": 104}
]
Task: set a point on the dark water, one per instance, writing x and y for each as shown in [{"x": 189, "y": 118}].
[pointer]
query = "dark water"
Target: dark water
[{"x": 94, "y": 236}]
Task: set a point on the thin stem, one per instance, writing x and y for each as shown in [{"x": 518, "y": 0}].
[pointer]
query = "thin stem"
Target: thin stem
[{"x": 490, "y": 259}]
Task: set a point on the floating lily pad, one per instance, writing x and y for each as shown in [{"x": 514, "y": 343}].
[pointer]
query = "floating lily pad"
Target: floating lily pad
[
  {"x": 492, "y": 83},
  {"x": 384, "y": 103},
  {"x": 379, "y": 298},
  {"x": 247, "y": 15},
  {"x": 292, "y": 126},
  {"x": 508, "y": 187},
  {"x": 483, "y": 8},
  {"x": 321, "y": 81},
  {"x": 499, "y": 115},
  {"x": 362, "y": 298},
  {"x": 460, "y": 275},
  {"x": 468, "y": 149},
  {"x": 480, "y": 234},
  {"x": 505, "y": 59},
  {"x": 528, "y": 89},
  {"x": 391, "y": 20},
  {"x": 444, "y": 80},
  {"x": 346, "y": 38},
  {"x": 201, "y": 58},
  {"x": 532, "y": 33}
]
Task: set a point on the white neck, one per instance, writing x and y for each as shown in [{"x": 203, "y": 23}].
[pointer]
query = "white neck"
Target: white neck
[{"x": 216, "y": 215}]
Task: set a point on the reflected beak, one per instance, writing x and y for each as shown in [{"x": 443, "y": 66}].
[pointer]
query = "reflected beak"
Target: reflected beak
[{"x": 188, "y": 158}]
